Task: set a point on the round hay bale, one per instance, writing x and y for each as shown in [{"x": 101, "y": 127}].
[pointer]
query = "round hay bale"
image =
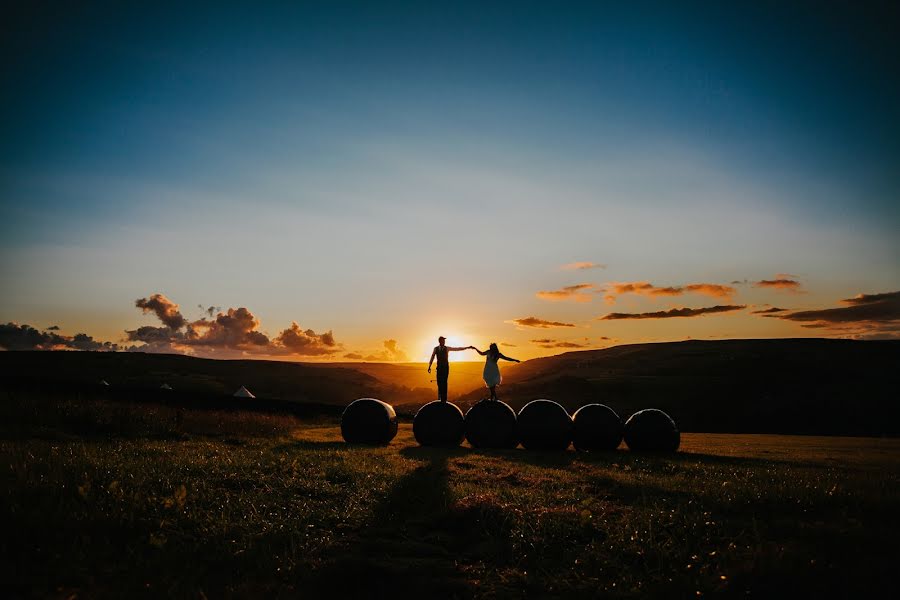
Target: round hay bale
[
  {"x": 651, "y": 430},
  {"x": 368, "y": 421},
  {"x": 439, "y": 424},
  {"x": 491, "y": 424},
  {"x": 597, "y": 428},
  {"x": 544, "y": 425}
]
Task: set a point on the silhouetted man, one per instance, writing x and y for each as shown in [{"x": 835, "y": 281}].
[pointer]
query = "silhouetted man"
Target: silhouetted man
[{"x": 441, "y": 352}]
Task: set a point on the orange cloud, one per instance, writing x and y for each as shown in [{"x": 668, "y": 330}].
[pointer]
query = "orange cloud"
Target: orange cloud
[
  {"x": 675, "y": 312},
  {"x": 768, "y": 311},
  {"x": 570, "y": 292},
  {"x": 863, "y": 308},
  {"x": 779, "y": 283},
  {"x": 539, "y": 323},
  {"x": 581, "y": 266},
  {"x": 308, "y": 342},
  {"x": 234, "y": 332},
  {"x": 165, "y": 310},
  {"x": 390, "y": 352},
  {"x": 645, "y": 288},
  {"x": 548, "y": 343}
]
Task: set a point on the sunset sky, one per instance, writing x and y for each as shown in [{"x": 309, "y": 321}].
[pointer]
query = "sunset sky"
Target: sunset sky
[{"x": 342, "y": 181}]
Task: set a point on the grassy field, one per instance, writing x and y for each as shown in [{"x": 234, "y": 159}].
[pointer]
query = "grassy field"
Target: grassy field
[{"x": 117, "y": 501}]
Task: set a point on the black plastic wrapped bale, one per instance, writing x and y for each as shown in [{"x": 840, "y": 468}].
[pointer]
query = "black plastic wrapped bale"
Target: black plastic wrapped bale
[
  {"x": 544, "y": 425},
  {"x": 368, "y": 421},
  {"x": 597, "y": 428},
  {"x": 652, "y": 430},
  {"x": 439, "y": 424},
  {"x": 491, "y": 424}
]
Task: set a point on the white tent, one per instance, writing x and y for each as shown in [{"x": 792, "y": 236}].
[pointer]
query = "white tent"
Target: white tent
[
  {"x": 165, "y": 386},
  {"x": 104, "y": 383},
  {"x": 243, "y": 393}
]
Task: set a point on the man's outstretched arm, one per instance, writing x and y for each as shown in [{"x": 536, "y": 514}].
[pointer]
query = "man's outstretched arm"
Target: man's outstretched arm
[{"x": 458, "y": 349}]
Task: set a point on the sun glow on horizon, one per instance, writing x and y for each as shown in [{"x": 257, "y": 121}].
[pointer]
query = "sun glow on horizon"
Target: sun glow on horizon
[{"x": 454, "y": 340}]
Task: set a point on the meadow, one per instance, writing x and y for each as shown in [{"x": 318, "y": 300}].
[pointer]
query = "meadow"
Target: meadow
[{"x": 108, "y": 499}]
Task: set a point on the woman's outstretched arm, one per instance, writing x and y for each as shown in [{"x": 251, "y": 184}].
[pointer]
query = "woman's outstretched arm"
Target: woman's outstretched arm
[
  {"x": 510, "y": 359},
  {"x": 478, "y": 351}
]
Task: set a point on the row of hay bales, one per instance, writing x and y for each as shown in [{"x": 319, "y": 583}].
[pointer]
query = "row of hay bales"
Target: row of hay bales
[{"x": 540, "y": 425}]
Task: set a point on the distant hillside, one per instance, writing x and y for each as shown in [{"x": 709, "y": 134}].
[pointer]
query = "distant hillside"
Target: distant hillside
[
  {"x": 766, "y": 386},
  {"x": 187, "y": 375},
  {"x": 788, "y": 385}
]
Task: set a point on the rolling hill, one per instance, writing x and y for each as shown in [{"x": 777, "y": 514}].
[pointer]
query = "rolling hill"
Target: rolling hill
[
  {"x": 817, "y": 386},
  {"x": 772, "y": 386}
]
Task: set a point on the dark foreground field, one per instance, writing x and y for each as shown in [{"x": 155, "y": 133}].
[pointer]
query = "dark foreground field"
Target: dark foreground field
[{"x": 103, "y": 500}]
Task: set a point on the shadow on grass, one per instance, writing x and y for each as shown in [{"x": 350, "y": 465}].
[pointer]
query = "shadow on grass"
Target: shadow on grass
[{"x": 405, "y": 549}]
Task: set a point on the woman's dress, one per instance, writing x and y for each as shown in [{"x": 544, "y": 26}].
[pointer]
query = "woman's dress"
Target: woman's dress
[{"x": 491, "y": 372}]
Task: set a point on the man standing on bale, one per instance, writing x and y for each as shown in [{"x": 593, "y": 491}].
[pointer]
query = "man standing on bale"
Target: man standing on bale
[{"x": 443, "y": 365}]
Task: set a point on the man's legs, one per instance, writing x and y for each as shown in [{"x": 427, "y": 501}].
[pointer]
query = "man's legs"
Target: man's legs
[{"x": 442, "y": 376}]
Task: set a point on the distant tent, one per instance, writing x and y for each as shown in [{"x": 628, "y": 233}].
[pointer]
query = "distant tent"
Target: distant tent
[
  {"x": 165, "y": 386},
  {"x": 104, "y": 383},
  {"x": 243, "y": 393}
]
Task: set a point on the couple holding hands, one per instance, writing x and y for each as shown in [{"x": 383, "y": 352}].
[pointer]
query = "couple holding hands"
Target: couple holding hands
[{"x": 491, "y": 370}]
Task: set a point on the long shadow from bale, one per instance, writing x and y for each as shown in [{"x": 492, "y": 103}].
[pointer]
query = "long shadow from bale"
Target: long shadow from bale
[{"x": 406, "y": 548}]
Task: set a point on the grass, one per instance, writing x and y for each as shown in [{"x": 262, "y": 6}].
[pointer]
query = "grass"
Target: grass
[{"x": 105, "y": 500}]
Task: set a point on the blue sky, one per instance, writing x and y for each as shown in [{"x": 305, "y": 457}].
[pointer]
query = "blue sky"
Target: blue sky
[{"x": 391, "y": 171}]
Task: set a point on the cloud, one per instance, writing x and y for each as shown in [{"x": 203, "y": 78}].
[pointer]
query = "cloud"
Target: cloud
[
  {"x": 165, "y": 310},
  {"x": 768, "y": 311},
  {"x": 236, "y": 328},
  {"x": 675, "y": 312},
  {"x": 353, "y": 356},
  {"x": 779, "y": 283},
  {"x": 570, "y": 292},
  {"x": 508, "y": 345},
  {"x": 863, "y": 308},
  {"x": 153, "y": 335},
  {"x": 645, "y": 288},
  {"x": 234, "y": 332},
  {"x": 548, "y": 343},
  {"x": 306, "y": 343},
  {"x": 582, "y": 266},
  {"x": 390, "y": 353},
  {"x": 786, "y": 276},
  {"x": 210, "y": 310},
  {"x": 53, "y": 328},
  {"x": 539, "y": 323},
  {"x": 26, "y": 337},
  {"x": 714, "y": 290}
]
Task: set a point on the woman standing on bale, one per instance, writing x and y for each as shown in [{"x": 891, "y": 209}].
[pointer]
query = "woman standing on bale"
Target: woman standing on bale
[{"x": 491, "y": 370}]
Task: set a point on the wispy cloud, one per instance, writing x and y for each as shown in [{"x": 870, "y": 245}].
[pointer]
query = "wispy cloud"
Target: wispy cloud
[
  {"x": 571, "y": 292},
  {"x": 863, "y": 308},
  {"x": 582, "y": 266},
  {"x": 645, "y": 288},
  {"x": 539, "y": 323},
  {"x": 768, "y": 311},
  {"x": 779, "y": 283},
  {"x": 551, "y": 343},
  {"x": 675, "y": 312}
]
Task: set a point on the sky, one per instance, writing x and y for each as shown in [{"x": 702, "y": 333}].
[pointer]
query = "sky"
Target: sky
[{"x": 347, "y": 181}]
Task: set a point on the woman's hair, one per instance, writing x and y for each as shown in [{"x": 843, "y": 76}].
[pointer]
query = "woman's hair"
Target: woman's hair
[{"x": 493, "y": 349}]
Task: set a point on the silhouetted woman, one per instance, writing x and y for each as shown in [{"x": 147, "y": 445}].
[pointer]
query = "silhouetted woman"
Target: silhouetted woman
[{"x": 491, "y": 369}]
